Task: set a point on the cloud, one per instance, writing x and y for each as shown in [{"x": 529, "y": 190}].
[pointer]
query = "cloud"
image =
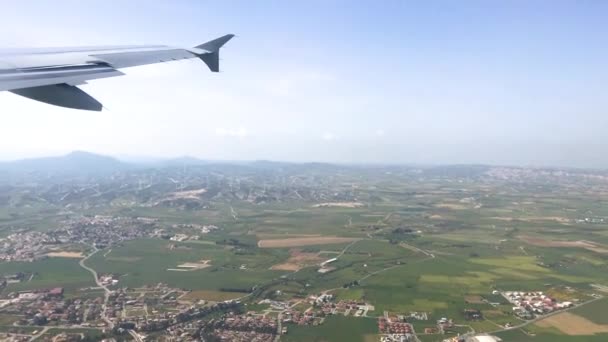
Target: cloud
[
  {"x": 328, "y": 136},
  {"x": 240, "y": 132},
  {"x": 280, "y": 87},
  {"x": 380, "y": 133},
  {"x": 288, "y": 83}
]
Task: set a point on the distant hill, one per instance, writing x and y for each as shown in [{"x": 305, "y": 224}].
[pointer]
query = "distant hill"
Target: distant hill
[
  {"x": 185, "y": 160},
  {"x": 75, "y": 162}
]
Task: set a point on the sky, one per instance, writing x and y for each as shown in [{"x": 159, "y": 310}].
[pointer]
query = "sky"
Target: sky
[{"x": 416, "y": 82}]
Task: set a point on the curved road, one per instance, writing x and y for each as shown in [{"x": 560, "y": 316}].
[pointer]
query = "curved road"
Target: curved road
[{"x": 106, "y": 290}]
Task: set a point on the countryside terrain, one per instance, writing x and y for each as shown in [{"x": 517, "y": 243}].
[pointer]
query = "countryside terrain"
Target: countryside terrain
[{"x": 132, "y": 245}]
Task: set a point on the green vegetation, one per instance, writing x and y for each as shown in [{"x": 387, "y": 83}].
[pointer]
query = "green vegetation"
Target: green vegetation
[
  {"x": 47, "y": 273},
  {"x": 427, "y": 240},
  {"x": 596, "y": 312},
  {"x": 148, "y": 262},
  {"x": 334, "y": 329},
  {"x": 519, "y": 336}
]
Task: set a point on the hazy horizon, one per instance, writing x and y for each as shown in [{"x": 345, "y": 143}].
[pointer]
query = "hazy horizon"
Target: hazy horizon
[
  {"x": 153, "y": 160},
  {"x": 512, "y": 83}
]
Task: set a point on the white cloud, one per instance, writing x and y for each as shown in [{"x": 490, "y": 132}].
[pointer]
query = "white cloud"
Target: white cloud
[
  {"x": 288, "y": 83},
  {"x": 240, "y": 132},
  {"x": 380, "y": 132},
  {"x": 280, "y": 87},
  {"x": 328, "y": 136}
]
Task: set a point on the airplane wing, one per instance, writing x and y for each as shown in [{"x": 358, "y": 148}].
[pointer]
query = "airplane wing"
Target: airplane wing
[{"x": 52, "y": 75}]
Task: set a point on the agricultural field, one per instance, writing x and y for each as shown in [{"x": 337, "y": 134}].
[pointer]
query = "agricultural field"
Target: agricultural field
[
  {"x": 148, "y": 262},
  {"x": 335, "y": 329},
  {"x": 438, "y": 241},
  {"x": 596, "y": 312},
  {"x": 52, "y": 272}
]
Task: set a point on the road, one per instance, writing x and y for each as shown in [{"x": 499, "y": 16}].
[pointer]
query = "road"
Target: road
[
  {"x": 136, "y": 336},
  {"x": 105, "y": 288},
  {"x": 279, "y": 327},
  {"x": 416, "y": 249},
  {"x": 346, "y": 248},
  {"x": 42, "y": 332},
  {"x": 234, "y": 214}
]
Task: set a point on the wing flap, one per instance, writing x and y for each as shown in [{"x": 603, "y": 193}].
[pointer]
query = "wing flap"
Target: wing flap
[
  {"x": 135, "y": 58},
  {"x": 37, "y": 77},
  {"x": 62, "y": 95}
]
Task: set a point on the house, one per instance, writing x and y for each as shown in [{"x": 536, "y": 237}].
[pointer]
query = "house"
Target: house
[{"x": 56, "y": 292}]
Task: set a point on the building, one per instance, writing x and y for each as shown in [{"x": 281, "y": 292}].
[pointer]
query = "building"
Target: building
[
  {"x": 482, "y": 338},
  {"x": 56, "y": 292}
]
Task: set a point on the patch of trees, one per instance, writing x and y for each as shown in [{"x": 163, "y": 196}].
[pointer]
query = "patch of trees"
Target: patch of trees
[
  {"x": 351, "y": 284},
  {"x": 402, "y": 230},
  {"x": 233, "y": 242},
  {"x": 400, "y": 234},
  {"x": 460, "y": 245}
]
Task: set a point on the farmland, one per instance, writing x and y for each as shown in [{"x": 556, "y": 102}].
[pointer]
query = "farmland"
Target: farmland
[
  {"x": 335, "y": 329},
  {"x": 434, "y": 241}
]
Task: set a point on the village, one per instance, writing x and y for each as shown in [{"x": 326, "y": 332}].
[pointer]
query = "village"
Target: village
[
  {"x": 151, "y": 311},
  {"x": 74, "y": 237},
  {"x": 528, "y": 305},
  {"x": 77, "y": 235}
]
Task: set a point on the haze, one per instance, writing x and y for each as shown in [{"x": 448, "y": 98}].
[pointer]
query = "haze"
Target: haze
[{"x": 435, "y": 82}]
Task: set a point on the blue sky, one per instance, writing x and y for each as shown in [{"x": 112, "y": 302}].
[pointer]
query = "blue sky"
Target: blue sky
[{"x": 511, "y": 82}]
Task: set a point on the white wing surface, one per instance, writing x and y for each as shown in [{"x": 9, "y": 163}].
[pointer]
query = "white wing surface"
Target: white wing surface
[{"x": 51, "y": 75}]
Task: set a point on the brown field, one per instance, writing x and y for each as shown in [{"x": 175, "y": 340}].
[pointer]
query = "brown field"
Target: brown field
[
  {"x": 600, "y": 288},
  {"x": 286, "y": 266},
  {"x": 298, "y": 260},
  {"x": 571, "y": 324},
  {"x": 339, "y": 205},
  {"x": 588, "y": 245},
  {"x": 452, "y": 206},
  {"x": 473, "y": 299},
  {"x": 194, "y": 265},
  {"x": 268, "y": 236},
  {"x": 210, "y": 295},
  {"x": 501, "y": 218},
  {"x": 191, "y": 266},
  {"x": 189, "y": 194},
  {"x": 124, "y": 259},
  {"x": 557, "y": 219},
  {"x": 65, "y": 254},
  {"x": 304, "y": 241},
  {"x": 371, "y": 338}
]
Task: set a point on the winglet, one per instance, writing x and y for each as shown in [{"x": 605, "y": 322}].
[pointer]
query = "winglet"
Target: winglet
[
  {"x": 216, "y": 44},
  {"x": 212, "y": 57}
]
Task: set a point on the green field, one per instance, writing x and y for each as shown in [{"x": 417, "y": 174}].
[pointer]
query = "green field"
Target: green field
[
  {"x": 519, "y": 336},
  {"x": 144, "y": 262},
  {"x": 51, "y": 272},
  {"x": 427, "y": 239},
  {"x": 596, "y": 312},
  {"x": 334, "y": 329}
]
